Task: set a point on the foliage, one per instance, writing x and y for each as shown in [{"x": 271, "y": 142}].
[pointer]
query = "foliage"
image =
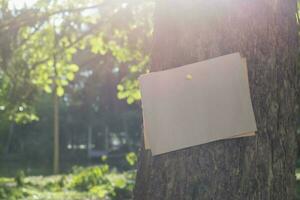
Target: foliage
[
  {"x": 102, "y": 182},
  {"x": 20, "y": 178},
  {"x": 85, "y": 179},
  {"x": 80, "y": 50},
  {"x": 39, "y": 44},
  {"x": 98, "y": 182},
  {"x": 8, "y": 193},
  {"x": 131, "y": 158}
]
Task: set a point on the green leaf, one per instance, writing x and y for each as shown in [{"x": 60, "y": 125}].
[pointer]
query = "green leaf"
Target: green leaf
[
  {"x": 137, "y": 95},
  {"x": 117, "y": 180},
  {"x": 101, "y": 191},
  {"x": 120, "y": 87},
  {"x": 122, "y": 95},
  {"x": 130, "y": 100},
  {"x": 73, "y": 68},
  {"x": 120, "y": 182},
  {"x": 131, "y": 158},
  {"x": 133, "y": 69},
  {"x": 64, "y": 82},
  {"x": 70, "y": 76},
  {"x": 60, "y": 91},
  {"x": 47, "y": 89}
]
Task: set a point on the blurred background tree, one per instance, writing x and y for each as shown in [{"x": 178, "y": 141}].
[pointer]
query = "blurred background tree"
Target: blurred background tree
[{"x": 79, "y": 57}]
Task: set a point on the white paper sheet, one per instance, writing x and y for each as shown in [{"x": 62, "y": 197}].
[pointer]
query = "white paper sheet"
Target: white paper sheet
[{"x": 196, "y": 104}]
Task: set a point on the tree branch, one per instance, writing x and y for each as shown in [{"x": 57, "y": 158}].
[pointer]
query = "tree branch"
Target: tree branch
[{"x": 23, "y": 19}]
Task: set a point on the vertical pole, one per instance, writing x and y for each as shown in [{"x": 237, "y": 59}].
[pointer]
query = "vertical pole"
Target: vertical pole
[
  {"x": 55, "y": 131},
  {"x": 55, "y": 113},
  {"x": 55, "y": 110}
]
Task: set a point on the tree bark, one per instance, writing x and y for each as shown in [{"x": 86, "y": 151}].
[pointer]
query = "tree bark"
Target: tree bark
[{"x": 256, "y": 168}]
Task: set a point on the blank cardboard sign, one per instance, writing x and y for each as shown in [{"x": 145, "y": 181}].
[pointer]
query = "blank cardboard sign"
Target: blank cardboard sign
[{"x": 196, "y": 104}]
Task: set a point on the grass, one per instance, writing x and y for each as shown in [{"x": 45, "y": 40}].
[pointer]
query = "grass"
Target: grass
[
  {"x": 90, "y": 183},
  {"x": 40, "y": 188},
  {"x": 69, "y": 195}
]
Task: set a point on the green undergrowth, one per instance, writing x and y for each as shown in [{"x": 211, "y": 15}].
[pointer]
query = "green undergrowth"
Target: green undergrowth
[{"x": 82, "y": 183}]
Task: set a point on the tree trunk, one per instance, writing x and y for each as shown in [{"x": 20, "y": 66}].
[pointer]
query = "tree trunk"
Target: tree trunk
[
  {"x": 55, "y": 131},
  {"x": 256, "y": 168}
]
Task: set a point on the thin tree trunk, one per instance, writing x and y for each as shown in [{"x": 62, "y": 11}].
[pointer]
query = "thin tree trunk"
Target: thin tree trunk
[
  {"x": 256, "y": 168},
  {"x": 55, "y": 132},
  {"x": 56, "y": 137}
]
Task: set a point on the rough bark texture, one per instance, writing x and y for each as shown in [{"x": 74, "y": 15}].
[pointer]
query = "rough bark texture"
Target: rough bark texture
[{"x": 256, "y": 168}]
